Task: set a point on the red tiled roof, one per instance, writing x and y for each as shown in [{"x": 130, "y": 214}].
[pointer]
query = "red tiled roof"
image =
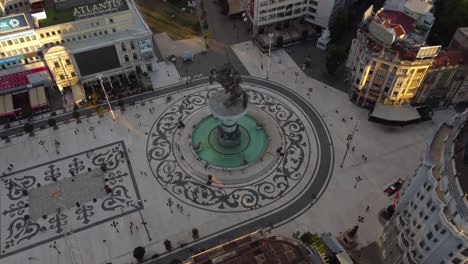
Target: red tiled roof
[
  {"x": 17, "y": 79},
  {"x": 396, "y": 18}
]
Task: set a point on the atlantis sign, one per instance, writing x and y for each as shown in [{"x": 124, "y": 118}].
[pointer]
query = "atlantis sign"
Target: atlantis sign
[{"x": 99, "y": 8}]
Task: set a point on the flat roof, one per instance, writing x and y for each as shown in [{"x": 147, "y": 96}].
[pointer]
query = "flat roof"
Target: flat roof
[
  {"x": 254, "y": 249},
  {"x": 55, "y": 17},
  {"x": 401, "y": 113}
]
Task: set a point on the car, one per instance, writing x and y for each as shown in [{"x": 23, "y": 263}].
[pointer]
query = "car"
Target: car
[
  {"x": 395, "y": 187},
  {"x": 187, "y": 56}
]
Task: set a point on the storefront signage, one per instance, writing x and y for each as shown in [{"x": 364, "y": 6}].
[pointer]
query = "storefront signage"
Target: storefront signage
[
  {"x": 11, "y": 60},
  {"x": 13, "y": 22},
  {"x": 146, "y": 48},
  {"x": 100, "y": 8}
]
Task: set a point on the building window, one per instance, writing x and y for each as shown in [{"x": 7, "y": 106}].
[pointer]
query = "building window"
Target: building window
[
  {"x": 122, "y": 45},
  {"x": 126, "y": 58},
  {"x": 312, "y": 2},
  {"x": 67, "y": 61},
  {"x": 53, "y": 33},
  {"x": 56, "y": 64},
  {"x": 62, "y": 77},
  {"x": 95, "y": 34},
  {"x": 418, "y": 227},
  {"x": 114, "y": 30},
  {"x": 73, "y": 74},
  {"x": 10, "y": 42},
  {"x": 464, "y": 252},
  {"x": 59, "y": 31},
  {"x": 443, "y": 231},
  {"x": 111, "y": 20},
  {"x": 135, "y": 57},
  {"x": 456, "y": 261},
  {"x": 47, "y": 34},
  {"x": 395, "y": 94},
  {"x": 436, "y": 240}
]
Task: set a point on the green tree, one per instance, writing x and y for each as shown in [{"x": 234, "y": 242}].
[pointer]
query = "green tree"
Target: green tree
[
  {"x": 52, "y": 122},
  {"x": 139, "y": 253},
  {"x": 340, "y": 24},
  {"x": 28, "y": 128},
  {"x": 335, "y": 56},
  {"x": 450, "y": 15}
]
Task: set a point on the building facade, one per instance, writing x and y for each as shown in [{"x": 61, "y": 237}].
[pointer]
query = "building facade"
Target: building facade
[
  {"x": 74, "y": 45},
  {"x": 431, "y": 217},
  {"x": 388, "y": 60},
  {"x": 443, "y": 81},
  {"x": 266, "y": 15}
]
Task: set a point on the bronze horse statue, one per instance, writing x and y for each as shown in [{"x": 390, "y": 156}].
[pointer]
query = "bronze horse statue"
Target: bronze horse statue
[{"x": 230, "y": 79}]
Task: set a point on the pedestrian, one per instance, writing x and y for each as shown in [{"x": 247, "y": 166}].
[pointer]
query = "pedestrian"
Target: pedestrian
[
  {"x": 367, "y": 208},
  {"x": 74, "y": 131},
  {"x": 11, "y": 165},
  {"x": 353, "y": 148},
  {"x": 365, "y": 158}
]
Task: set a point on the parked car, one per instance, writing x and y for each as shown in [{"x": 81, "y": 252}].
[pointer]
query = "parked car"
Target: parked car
[{"x": 395, "y": 187}]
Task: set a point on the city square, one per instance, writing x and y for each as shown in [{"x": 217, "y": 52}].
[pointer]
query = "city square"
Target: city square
[{"x": 159, "y": 189}]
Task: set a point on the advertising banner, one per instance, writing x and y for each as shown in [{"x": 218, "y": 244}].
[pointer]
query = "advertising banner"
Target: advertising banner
[
  {"x": 146, "y": 48},
  {"x": 100, "y": 8},
  {"x": 13, "y": 22}
]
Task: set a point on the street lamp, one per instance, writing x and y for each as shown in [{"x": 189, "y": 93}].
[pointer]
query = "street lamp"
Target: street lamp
[
  {"x": 270, "y": 36},
  {"x": 138, "y": 205},
  {"x": 91, "y": 128},
  {"x": 42, "y": 142},
  {"x": 99, "y": 76},
  {"x": 349, "y": 140},
  {"x": 358, "y": 179}
]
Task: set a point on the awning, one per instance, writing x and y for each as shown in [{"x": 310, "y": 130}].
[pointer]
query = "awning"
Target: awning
[
  {"x": 78, "y": 93},
  {"x": 37, "y": 97},
  {"x": 19, "y": 79},
  {"x": 8, "y": 101},
  {"x": 395, "y": 115}
]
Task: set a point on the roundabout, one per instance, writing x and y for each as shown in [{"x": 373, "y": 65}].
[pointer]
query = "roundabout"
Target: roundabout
[{"x": 291, "y": 158}]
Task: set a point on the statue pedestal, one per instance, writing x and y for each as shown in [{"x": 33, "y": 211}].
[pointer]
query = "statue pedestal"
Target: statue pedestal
[{"x": 229, "y": 133}]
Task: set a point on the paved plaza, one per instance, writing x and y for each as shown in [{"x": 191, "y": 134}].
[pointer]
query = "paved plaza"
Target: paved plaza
[{"x": 157, "y": 188}]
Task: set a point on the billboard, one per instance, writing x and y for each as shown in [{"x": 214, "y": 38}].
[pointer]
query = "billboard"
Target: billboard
[
  {"x": 146, "y": 49},
  {"x": 425, "y": 52},
  {"x": 97, "y": 60},
  {"x": 100, "y": 8},
  {"x": 13, "y": 22}
]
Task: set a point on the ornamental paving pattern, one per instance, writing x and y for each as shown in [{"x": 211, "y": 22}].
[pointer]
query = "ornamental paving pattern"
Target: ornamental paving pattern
[
  {"x": 20, "y": 230},
  {"x": 144, "y": 163},
  {"x": 298, "y": 166}
]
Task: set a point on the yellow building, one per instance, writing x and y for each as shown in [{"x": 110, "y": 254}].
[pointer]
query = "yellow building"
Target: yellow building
[
  {"x": 386, "y": 64},
  {"x": 75, "y": 42}
]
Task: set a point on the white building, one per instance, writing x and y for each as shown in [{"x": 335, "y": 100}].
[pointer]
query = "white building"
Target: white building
[
  {"x": 68, "y": 45},
  {"x": 265, "y": 15},
  {"x": 431, "y": 218}
]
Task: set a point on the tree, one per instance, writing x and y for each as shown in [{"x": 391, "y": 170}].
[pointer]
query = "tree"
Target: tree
[
  {"x": 100, "y": 110},
  {"x": 450, "y": 15},
  {"x": 279, "y": 41},
  {"x": 121, "y": 104},
  {"x": 28, "y": 112},
  {"x": 52, "y": 122},
  {"x": 76, "y": 115},
  {"x": 340, "y": 24},
  {"x": 335, "y": 56},
  {"x": 168, "y": 245},
  {"x": 195, "y": 234},
  {"x": 139, "y": 253},
  {"x": 28, "y": 128}
]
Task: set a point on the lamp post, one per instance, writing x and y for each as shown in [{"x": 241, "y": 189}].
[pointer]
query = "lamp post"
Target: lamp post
[
  {"x": 42, "y": 142},
  {"x": 54, "y": 246},
  {"x": 138, "y": 205},
  {"x": 99, "y": 76},
  {"x": 358, "y": 179},
  {"x": 270, "y": 36},
  {"x": 114, "y": 224},
  {"x": 91, "y": 128},
  {"x": 349, "y": 139}
]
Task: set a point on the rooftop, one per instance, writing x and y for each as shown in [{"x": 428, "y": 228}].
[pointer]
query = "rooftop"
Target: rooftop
[
  {"x": 394, "y": 18},
  {"x": 451, "y": 57},
  {"x": 55, "y": 17},
  {"x": 254, "y": 248}
]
